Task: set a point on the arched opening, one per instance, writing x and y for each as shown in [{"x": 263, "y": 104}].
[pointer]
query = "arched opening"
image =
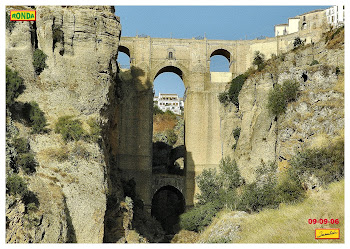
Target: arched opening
[
  {"x": 220, "y": 61},
  {"x": 124, "y": 57},
  {"x": 168, "y": 203},
  {"x": 168, "y": 121},
  {"x": 304, "y": 26},
  {"x": 170, "y": 69}
]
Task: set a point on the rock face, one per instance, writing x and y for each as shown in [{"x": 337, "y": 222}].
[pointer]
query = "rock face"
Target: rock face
[
  {"x": 81, "y": 44},
  {"x": 317, "y": 116}
]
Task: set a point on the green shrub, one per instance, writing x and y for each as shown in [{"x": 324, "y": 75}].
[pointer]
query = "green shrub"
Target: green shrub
[
  {"x": 290, "y": 90},
  {"x": 14, "y": 86},
  {"x": 35, "y": 117},
  {"x": 209, "y": 184},
  {"x": 297, "y": 42},
  {"x": 21, "y": 145},
  {"x": 237, "y": 133},
  {"x": 223, "y": 98},
  {"x": 280, "y": 96},
  {"x": 31, "y": 207},
  {"x": 39, "y": 61},
  {"x": 95, "y": 130},
  {"x": 220, "y": 188},
  {"x": 314, "y": 62},
  {"x": 337, "y": 70},
  {"x": 282, "y": 57},
  {"x": 57, "y": 34},
  {"x": 157, "y": 110},
  {"x": 15, "y": 185},
  {"x": 327, "y": 164},
  {"x": 235, "y": 88},
  {"x": 9, "y": 24},
  {"x": 230, "y": 175},
  {"x": 261, "y": 193},
  {"x": 170, "y": 113},
  {"x": 259, "y": 60},
  {"x": 199, "y": 217},
  {"x": 276, "y": 101},
  {"x": 27, "y": 162},
  {"x": 70, "y": 129},
  {"x": 171, "y": 137},
  {"x": 289, "y": 188}
]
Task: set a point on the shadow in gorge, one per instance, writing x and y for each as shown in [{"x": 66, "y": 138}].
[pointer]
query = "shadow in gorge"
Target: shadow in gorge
[
  {"x": 165, "y": 157},
  {"x": 168, "y": 204}
]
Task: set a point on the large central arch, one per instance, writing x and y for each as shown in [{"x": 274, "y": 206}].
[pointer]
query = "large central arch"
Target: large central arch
[{"x": 170, "y": 69}]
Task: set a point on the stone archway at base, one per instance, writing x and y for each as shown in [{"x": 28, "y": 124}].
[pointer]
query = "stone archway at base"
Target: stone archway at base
[{"x": 168, "y": 204}]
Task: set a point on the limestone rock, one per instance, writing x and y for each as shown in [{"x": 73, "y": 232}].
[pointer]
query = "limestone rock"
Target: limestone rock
[{"x": 81, "y": 44}]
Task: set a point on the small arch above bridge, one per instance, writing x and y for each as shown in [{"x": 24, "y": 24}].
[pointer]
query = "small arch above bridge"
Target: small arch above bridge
[{"x": 222, "y": 52}]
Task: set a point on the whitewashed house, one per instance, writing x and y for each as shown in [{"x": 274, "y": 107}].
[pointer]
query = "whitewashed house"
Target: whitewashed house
[
  {"x": 336, "y": 15},
  {"x": 169, "y": 101}
]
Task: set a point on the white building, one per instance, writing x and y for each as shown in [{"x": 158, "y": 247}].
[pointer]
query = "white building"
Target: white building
[
  {"x": 336, "y": 15},
  {"x": 172, "y": 102},
  {"x": 314, "y": 19}
]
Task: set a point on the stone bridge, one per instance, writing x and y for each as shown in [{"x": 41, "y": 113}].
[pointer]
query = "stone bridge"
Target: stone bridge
[
  {"x": 190, "y": 60},
  {"x": 162, "y": 180}
]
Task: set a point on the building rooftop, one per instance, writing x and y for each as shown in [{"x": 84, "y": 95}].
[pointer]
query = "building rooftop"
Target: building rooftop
[
  {"x": 312, "y": 11},
  {"x": 283, "y": 24}
]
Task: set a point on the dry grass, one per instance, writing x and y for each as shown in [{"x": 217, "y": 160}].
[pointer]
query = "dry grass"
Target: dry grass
[
  {"x": 185, "y": 236},
  {"x": 339, "y": 103},
  {"x": 289, "y": 223},
  {"x": 51, "y": 178},
  {"x": 53, "y": 153},
  {"x": 163, "y": 122},
  {"x": 337, "y": 41},
  {"x": 339, "y": 86}
]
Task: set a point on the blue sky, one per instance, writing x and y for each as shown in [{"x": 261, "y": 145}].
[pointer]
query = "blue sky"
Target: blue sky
[{"x": 214, "y": 22}]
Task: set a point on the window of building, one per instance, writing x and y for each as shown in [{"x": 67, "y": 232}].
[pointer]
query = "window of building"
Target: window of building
[
  {"x": 304, "y": 18},
  {"x": 170, "y": 55}
]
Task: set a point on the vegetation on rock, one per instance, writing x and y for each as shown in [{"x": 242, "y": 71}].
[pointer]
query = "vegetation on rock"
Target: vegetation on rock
[
  {"x": 9, "y": 24},
  {"x": 39, "y": 58},
  {"x": 27, "y": 162},
  {"x": 15, "y": 185},
  {"x": 69, "y": 128},
  {"x": 314, "y": 62},
  {"x": 95, "y": 130},
  {"x": 14, "y": 86},
  {"x": 35, "y": 117},
  {"x": 235, "y": 87},
  {"x": 297, "y": 43},
  {"x": 326, "y": 164},
  {"x": 280, "y": 96},
  {"x": 259, "y": 60}
]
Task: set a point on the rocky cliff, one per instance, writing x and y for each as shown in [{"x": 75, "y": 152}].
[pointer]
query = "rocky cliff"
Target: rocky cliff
[
  {"x": 71, "y": 180},
  {"x": 313, "y": 120}
]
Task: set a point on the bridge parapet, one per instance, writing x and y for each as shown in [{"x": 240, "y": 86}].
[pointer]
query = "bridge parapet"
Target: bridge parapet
[{"x": 162, "y": 180}]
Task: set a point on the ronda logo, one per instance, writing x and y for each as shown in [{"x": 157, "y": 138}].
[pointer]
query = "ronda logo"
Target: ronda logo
[{"x": 23, "y": 15}]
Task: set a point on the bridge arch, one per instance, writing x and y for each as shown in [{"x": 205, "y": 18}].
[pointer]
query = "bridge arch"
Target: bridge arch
[
  {"x": 124, "y": 58},
  {"x": 124, "y": 50},
  {"x": 222, "y": 52},
  {"x": 220, "y": 60},
  {"x": 169, "y": 69},
  {"x": 168, "y": 203}
]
